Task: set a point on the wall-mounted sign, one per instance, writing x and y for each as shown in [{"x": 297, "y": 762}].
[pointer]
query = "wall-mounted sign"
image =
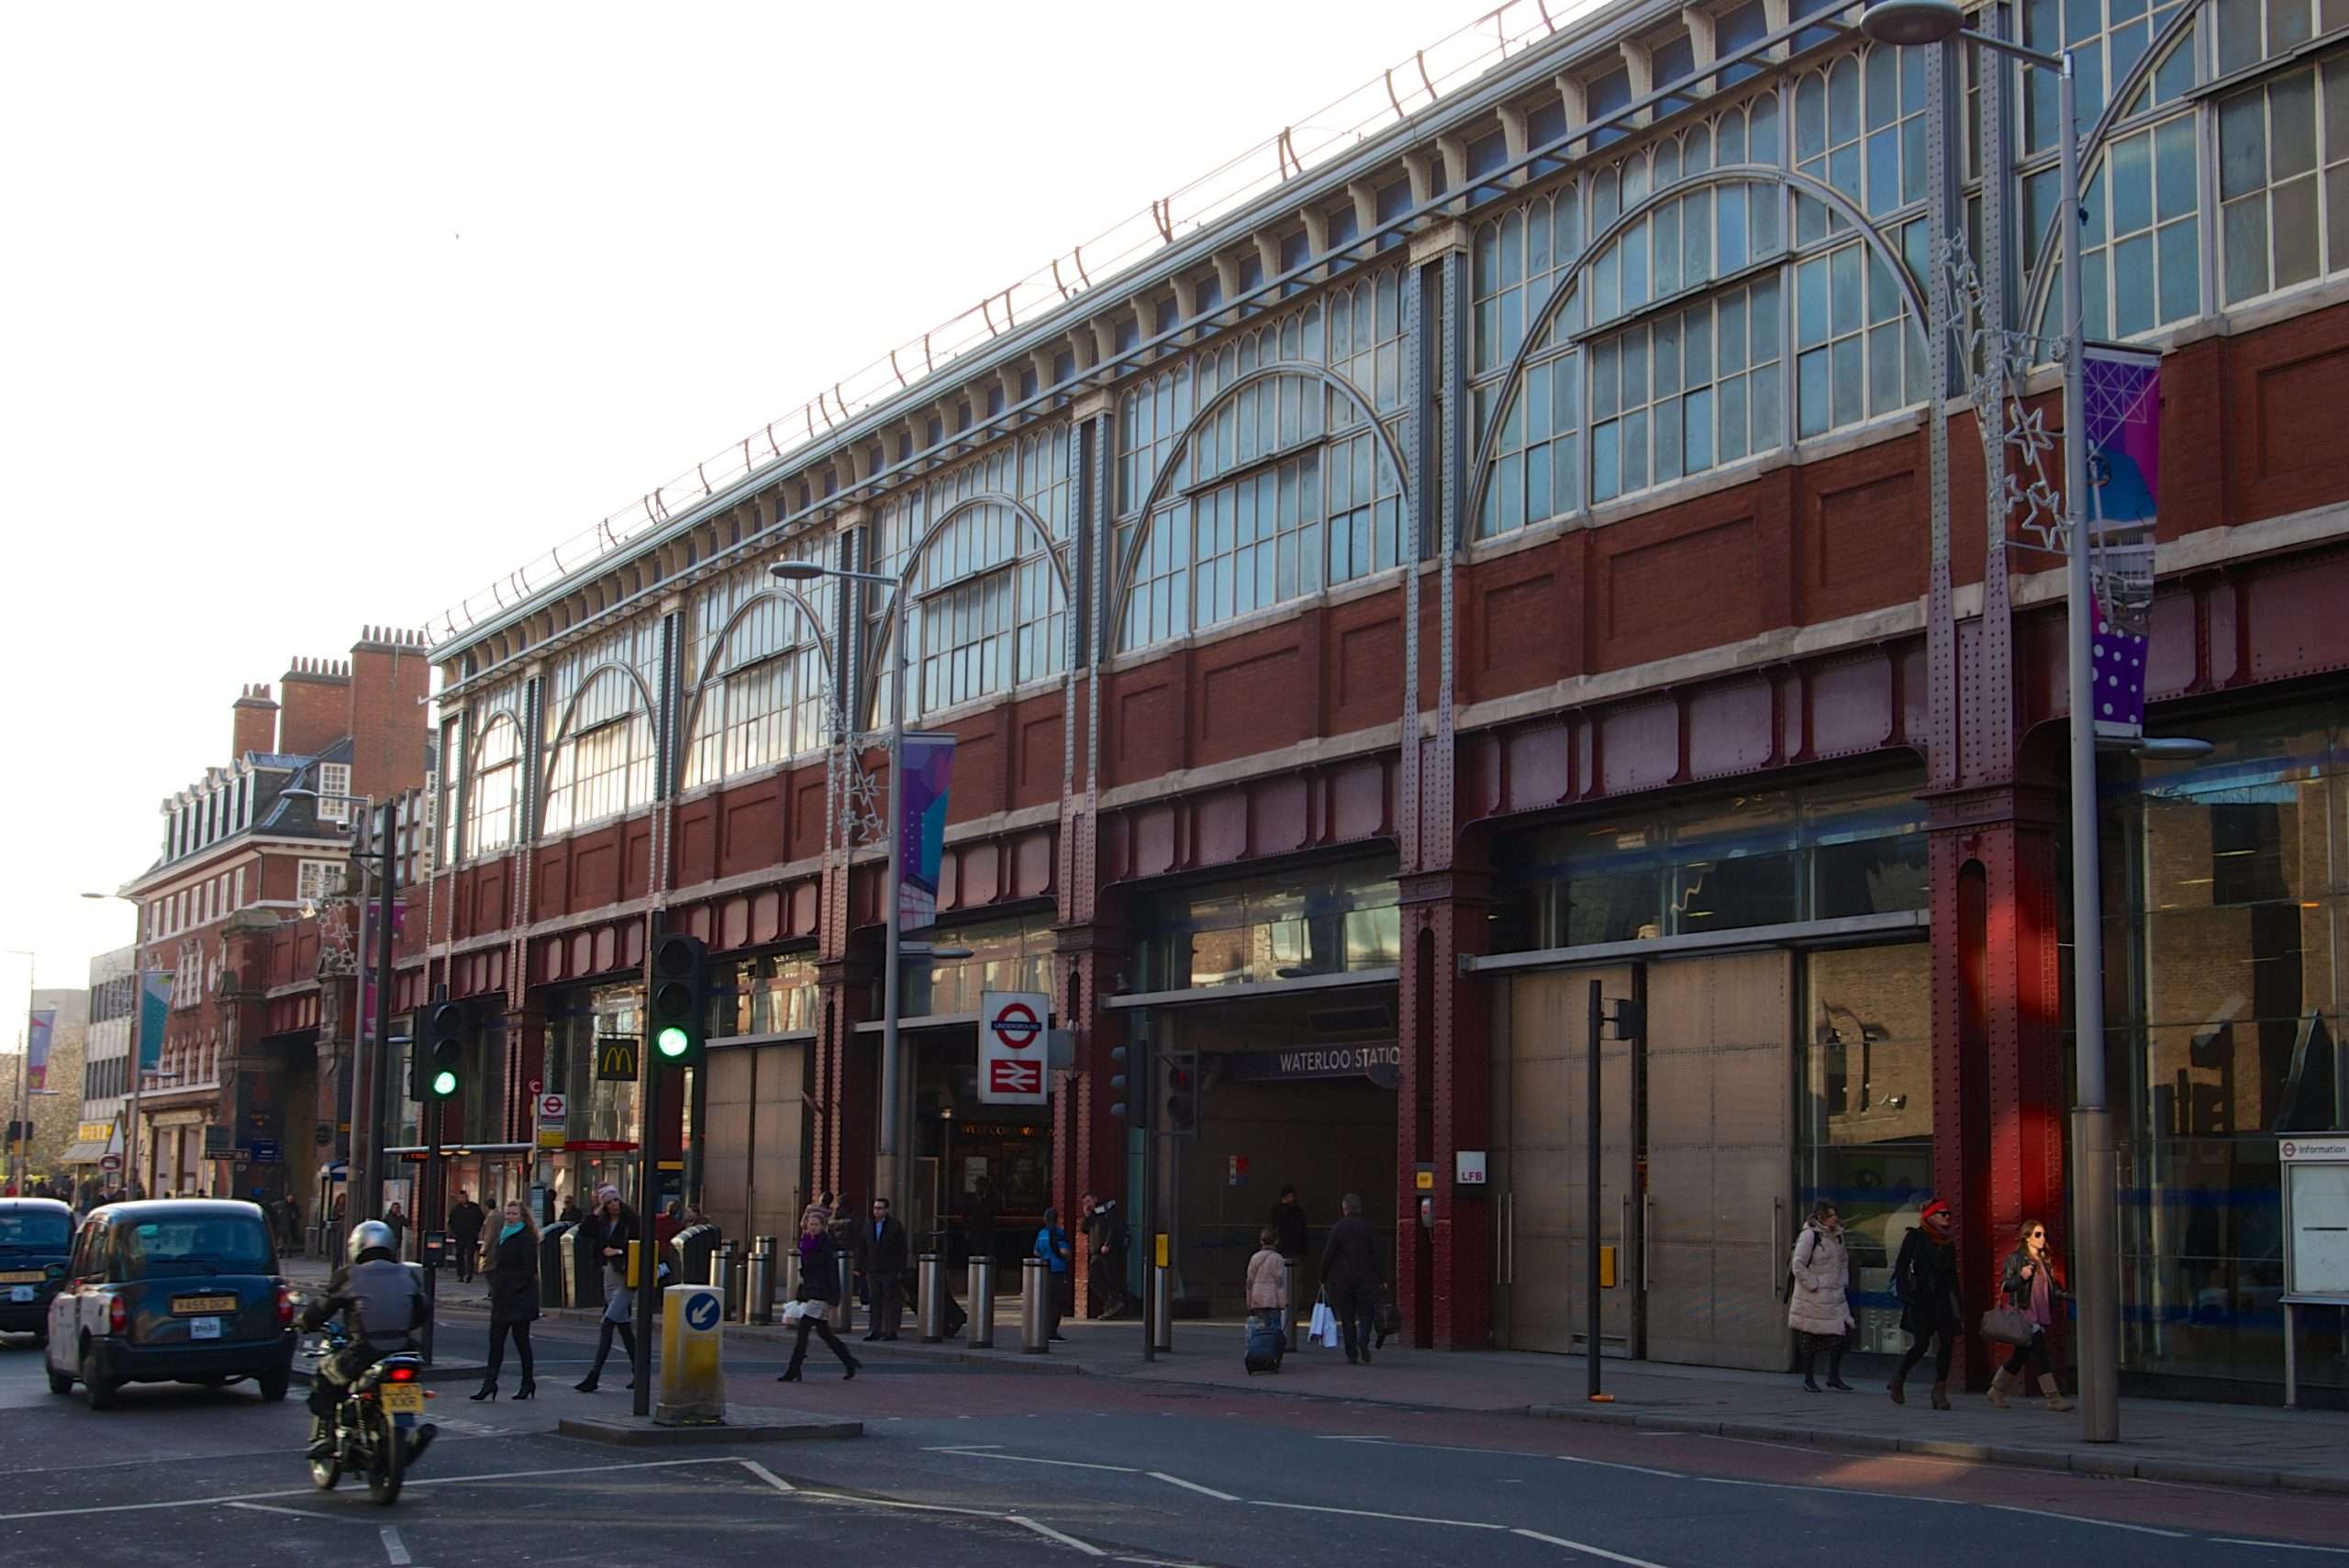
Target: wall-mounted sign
[
  {"x": 1011, "y": 1046},
  {"x": 615, "y": 1060}
]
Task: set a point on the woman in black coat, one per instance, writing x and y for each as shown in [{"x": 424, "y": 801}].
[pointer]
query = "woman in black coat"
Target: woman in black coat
[
  {"x": 511, "y": 1261},
  {"x": 820, "y": 1294}
]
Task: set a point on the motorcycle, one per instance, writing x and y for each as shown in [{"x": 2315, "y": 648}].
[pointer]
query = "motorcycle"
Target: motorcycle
[{"x": 379, "y": 1425}]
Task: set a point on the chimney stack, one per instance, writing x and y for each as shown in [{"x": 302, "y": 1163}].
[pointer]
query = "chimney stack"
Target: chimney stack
[
  {"x": 255, "y": 713},
  {"x": 391, "y": 676},
  {"x": 317, "y": 701}
]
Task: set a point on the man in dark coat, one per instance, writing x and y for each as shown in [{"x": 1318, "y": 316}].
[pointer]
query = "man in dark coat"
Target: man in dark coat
[
  {"x": 464, "y": 1233},
  {"x": 882, "y": 1255},
  {"x": 1290, "y": 1229},
  {"x": 1350, "y": 1275},
  {"x": 1108, "y": 1238},
  {"x": 1924, "y": 1277}
]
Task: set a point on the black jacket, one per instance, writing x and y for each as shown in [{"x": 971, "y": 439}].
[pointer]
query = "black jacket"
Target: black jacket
[
  {"x": 820, "y": 1270},
  {"x": 886, "y": 1254},
  {"x": 1289, "y": 1229},
  {"x": 514, "y": 1279},
  {"x": 465, "y": 1222},
  {"x": 1925, "y": 1279},
  {"x": 1350, "y": 1256}
]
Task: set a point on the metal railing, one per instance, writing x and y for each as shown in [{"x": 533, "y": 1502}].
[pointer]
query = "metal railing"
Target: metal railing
[{"x": 1399, "y": 94}]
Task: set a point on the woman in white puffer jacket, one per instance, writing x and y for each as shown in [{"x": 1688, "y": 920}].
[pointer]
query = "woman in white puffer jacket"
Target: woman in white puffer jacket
[{"x": 1819, "y": 1311}]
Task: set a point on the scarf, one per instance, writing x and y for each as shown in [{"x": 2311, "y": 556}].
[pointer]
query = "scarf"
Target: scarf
[{"x": 511, "y": 1231}]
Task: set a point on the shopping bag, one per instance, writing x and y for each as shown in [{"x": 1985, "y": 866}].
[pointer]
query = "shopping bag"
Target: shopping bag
[
  {"x": 793, "y": 1311},
  {"x": 1329, "y": 1333},
  {"x": 1324, "y": 1326}
]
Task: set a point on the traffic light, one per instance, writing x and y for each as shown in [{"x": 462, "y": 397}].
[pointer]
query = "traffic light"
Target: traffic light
[
  {"x": 1125, "y": 1066},
  {"x": 441, "y": 1052},
  {"x": 1181, "y": 1102},
  {"x": 678, "y": 1018}
]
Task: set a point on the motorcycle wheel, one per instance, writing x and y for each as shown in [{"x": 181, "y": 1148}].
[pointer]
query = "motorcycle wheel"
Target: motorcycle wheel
[
  {"x": 389, "y": 1459},
  {"x": 325, "y": 1472}
]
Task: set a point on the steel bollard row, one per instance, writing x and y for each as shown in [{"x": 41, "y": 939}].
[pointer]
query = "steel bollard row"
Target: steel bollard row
[
  {"x": 929, "y": 1297},
  {"x": 1161, "y": 1300},
  {"x": 758, "y": 1306},
  {"x": 983, "y": 1304},
  {"x": 1035, "y": 1332}
]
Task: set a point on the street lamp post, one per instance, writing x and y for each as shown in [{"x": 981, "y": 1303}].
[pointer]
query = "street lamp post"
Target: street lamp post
[
  {"x": 367, "y": 1066},
  {"x": 20, "y": 1148},
  {"x": 1922, "y": 22},
  {"x": 892, "y": 1088}
]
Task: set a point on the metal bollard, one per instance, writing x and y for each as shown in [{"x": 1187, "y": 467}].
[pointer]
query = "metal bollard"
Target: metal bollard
[
  {"x": 736, "y": 1298},
  {"x": 929, "y": 1297},
  {"x": 1161, "y": 1300},
  {"x": 790, "y": 1286},
  {"x": 1288, "y": 1294},
  {"x": 844, "y": 1320},
  {"x": 1034, "y": 1281},
  {"x": 983, "y": 1304},
  {"x": 721, "y": 1276},
  {"x": 758, "y": 1306}
]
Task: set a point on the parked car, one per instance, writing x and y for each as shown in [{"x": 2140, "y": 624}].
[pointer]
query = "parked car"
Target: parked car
[
  {"x": 172, "y": 1291},
  {"x": 36, "y": 1236}
]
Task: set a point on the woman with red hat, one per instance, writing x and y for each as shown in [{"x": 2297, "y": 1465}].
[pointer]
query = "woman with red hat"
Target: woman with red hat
[{"x": 1925, "y": 1279}]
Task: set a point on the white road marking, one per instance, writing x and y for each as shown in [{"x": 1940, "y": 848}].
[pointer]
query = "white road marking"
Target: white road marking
[
  {"x": 1026, "y": 1458},
  {"x": 2081, "y": 1520},
  {"x": 2279, "y": 1545},
  {"x": 1586, "y": 1549},
  {"x": 1049, "y": 1533},
  {"x": 1373, "y": 1514},
  {"x": 962, "y": 1448},
  {"x": 769, "y": 1476},
  {"x": 1191, "y": 1486},
  {"x": 246, "y": 1498},
  {"x": 272, "y": 1509},
  {"x": 393, "y": 1548}
]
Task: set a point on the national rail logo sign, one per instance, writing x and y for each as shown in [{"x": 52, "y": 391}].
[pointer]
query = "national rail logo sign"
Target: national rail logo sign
[{"x": 1011, "y": 1046}]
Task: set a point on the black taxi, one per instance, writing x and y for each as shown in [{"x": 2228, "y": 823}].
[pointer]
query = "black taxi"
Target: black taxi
[{"x": 36, "y": 1236}]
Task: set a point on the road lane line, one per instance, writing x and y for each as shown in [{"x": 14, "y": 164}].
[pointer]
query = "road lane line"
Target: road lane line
[
  {"x": 1049, "y": 1533},
  {"x": 1510, "y": 1453},
  {"x": 1025, "y": 1458},
  {"x": 1611, "y": 1464},
  {"x": 769, "y": 1476},
  {"x": 2083, "y": 1519},
  {"x": 395, "y": 1549},
  {"x": 1375, "y": 1514},
  {"x": 289, "y": 1513},
  {"x": 1586, "y": 1549},
  {"x": 235, "y": 1497},
  {"x": 2279, "y": 1545},
  {"x": 1191, "y": 1487}
]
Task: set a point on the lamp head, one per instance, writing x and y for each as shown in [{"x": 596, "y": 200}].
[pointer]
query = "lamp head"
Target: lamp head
[
  {"x": 797, "y": 571},
  {"x": 1912, "y": 21}
]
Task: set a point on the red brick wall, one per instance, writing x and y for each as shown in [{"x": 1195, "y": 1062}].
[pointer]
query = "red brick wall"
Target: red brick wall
[
  {"x": 385, "y": 718},
  {"x": 318, "y": 705}
]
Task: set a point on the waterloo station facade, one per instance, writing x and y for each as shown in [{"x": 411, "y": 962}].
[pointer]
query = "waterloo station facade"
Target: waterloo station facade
[{"x": 1524, "y": 549}]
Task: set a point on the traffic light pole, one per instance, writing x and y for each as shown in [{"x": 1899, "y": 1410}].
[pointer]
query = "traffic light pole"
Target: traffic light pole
[
  {"x": 649, "y": 1076},
  {"x": 365, "y": 1197}
]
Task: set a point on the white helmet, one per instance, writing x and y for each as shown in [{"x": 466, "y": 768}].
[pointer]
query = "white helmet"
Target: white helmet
[{"x": 369, "y": 1234}]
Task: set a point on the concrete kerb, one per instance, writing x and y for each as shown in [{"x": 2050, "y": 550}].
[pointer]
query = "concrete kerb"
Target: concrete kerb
[
  {"x": 773, "y": 1427},
  {"x": 1002, "y": 1359},
  {"x": 2115, "y": 1465}
]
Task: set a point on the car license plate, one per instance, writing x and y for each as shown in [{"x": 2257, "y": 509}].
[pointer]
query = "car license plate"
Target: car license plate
[
  {"x": 194, "y": 1306},
  {"x": 22, "y": 1276},
  {"x": 403, "y": 1400},
  {"x": 20, "y": 1292},
  {"x": 204, "y": 1328}
]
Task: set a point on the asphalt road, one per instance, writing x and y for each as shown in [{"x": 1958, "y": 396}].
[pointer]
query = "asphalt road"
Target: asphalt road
[{"x": 972, "y": 1466}]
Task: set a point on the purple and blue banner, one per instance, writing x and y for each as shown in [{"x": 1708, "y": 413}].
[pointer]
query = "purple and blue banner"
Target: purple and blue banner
[
  {"x": 2121, "y": 397},
  {"x": 154, "y": 1012},
  {"x": 43, "y": 1025},
  {"x": 921, "y": 827}
]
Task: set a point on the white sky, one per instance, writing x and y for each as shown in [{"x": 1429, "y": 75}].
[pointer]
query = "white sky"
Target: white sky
[{"x": 324, "y": 316}]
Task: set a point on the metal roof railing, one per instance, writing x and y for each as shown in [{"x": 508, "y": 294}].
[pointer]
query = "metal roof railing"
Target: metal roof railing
[{"x": 1401, "y": 93}]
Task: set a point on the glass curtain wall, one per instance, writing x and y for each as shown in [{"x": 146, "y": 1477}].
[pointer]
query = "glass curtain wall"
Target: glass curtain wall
[{"x": 2227, "y": 929}]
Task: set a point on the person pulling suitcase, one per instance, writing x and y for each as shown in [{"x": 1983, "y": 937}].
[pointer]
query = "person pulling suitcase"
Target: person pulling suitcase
[{"x": 1268, "y": 1304}]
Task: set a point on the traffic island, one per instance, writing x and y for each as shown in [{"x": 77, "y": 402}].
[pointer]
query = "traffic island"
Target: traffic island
[{"x": 763, "y": 1426}]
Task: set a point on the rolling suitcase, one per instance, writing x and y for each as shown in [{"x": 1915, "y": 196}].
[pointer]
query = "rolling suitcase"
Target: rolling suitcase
[{"x": 1266, "y": 1342}]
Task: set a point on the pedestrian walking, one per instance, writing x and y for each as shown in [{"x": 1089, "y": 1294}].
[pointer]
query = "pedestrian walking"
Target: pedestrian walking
[
  {"x": 465, "y": 1220},
  {"x": 1350, "y": 1277},
  {"x": 2032, "y": 1287},
  {"x": 1268, "y": 1279},
  {"x": 1819, "y": 1307},
  {"x": 396, "y": 1219},
  {"x": 570, "y": 1214},
  {"x": 293, "y": 1209},
  {"x": 1292, "y": 1235},
  {"x": 1924, "y": 1277},
  {"x": 1053, "y": 1246},
  {"x": 614, "y": 1228},
  {"x": 882, "y": 1256},
  {"x": 1108, "y": 1242},
  {"x": 819, "y": 1293},
  {"x": 511, "y": 1259}
]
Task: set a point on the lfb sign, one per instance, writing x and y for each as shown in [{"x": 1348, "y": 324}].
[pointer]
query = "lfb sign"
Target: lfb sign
[{"x": 1011, "y": 1046}]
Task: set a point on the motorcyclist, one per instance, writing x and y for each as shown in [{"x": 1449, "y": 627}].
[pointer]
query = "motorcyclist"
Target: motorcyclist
[{"x": 383, "y": 1305}]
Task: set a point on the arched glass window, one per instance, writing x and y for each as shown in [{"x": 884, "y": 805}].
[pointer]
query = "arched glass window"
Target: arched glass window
[
  {"x": 601, "y": 764},
  {"x": 496, "y": 787},
  {"x": 758, "y": 666}
]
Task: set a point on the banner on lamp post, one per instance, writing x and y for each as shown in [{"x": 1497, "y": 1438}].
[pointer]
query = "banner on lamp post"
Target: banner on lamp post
[
  {"x": 2121, "y": 402},
  {"x": 42, "y": 1026},
  {"x": 921, "y": 826},
  {"x": 154, "y": 1012}
]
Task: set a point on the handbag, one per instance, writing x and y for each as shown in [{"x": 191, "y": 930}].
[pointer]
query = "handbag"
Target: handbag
[
  {"x": 2005, "y": 1326},
  {"x": 793, "y": 1311},
  {"x": 1324, "y": 1326}
]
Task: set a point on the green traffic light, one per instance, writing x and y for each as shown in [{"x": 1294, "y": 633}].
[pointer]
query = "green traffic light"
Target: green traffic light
[
  {"x": 444, "y": 1084},
  {"x": 672, "y": 1043}
]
